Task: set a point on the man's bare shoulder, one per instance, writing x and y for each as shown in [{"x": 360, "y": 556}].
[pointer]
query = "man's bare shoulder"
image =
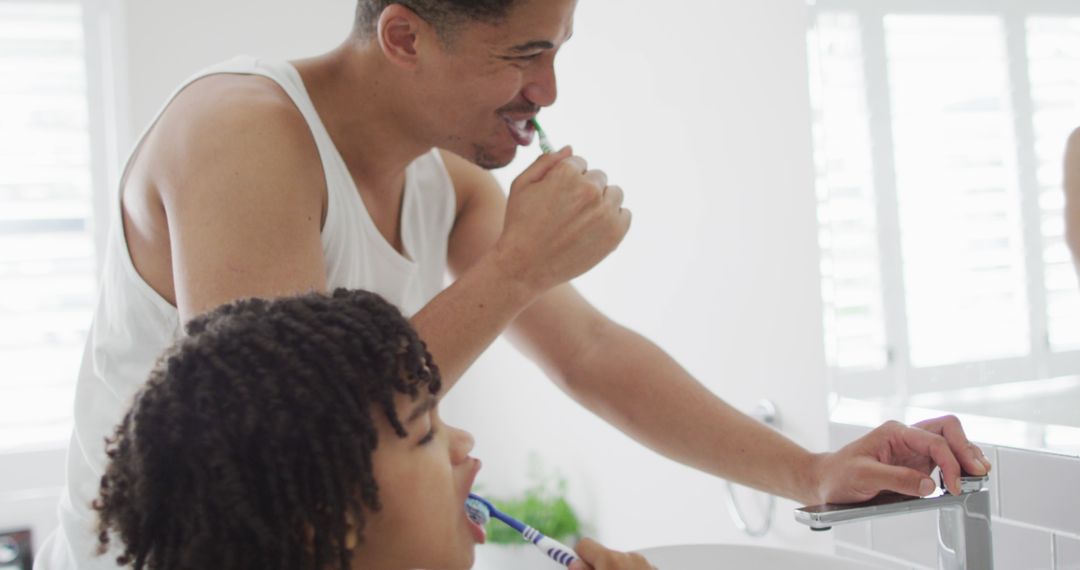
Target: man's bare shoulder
[
  {"x": 230, "y": 125},
  {"x": 231, "y": 104}
]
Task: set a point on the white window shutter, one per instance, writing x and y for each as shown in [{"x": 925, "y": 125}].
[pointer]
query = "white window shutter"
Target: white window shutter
[
  {"x": 1053, "y": 63},
  {"x": 47, "y": 281},
  {"x": 953, "y": 92},
  {"x": 854, "y": 319}
]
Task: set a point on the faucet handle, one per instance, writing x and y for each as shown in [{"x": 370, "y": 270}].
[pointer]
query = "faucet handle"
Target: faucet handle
[{"x": 968, "y": 483}]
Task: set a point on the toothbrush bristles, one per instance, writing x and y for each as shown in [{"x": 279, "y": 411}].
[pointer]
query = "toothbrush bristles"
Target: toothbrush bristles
[{"x": 477, "y": 512}]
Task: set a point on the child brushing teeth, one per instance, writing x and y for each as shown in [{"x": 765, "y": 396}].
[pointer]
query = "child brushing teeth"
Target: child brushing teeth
[{"x": 300, "y": 433}]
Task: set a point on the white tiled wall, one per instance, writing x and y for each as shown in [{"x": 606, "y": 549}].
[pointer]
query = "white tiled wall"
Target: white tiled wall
[
  {"x": 1034, "y": 502},
  {"x": 1067, "y": 553},
  {"x": 1040, "y": 489},
  {"x": 1021, "y": 547}
]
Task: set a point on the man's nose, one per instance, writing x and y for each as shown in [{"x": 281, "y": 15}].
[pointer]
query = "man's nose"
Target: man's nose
[{"x": 542, "y": 89}]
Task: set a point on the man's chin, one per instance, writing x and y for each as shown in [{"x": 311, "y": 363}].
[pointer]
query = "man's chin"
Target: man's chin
[{"x": 488, "y": 160}]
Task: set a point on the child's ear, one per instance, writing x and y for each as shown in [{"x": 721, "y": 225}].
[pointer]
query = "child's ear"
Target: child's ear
[
  {"x": 309, "y": 537},
  {"x": 352, "y": 535}
]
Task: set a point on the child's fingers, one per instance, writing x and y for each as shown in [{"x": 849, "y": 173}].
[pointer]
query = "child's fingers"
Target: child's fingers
[
  {"x": 595, "y": 555},
  {"x": 589, "y": 552}
]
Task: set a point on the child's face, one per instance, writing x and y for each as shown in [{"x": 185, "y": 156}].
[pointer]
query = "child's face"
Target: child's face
[{"x": 424, "y": 480}]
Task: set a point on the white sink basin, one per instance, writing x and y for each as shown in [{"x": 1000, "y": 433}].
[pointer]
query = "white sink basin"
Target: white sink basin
[
  {"x": 688, "y": 557},
  {"x": 729, "y": 556}
]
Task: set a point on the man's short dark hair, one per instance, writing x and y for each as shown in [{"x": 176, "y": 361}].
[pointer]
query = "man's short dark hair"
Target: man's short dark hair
[
  {"x": 251, "y": 444},
  {"x": 446, "y": 16}
]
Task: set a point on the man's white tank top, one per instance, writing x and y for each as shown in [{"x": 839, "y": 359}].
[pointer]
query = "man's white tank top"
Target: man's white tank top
[{"x": 133, "y": 324}]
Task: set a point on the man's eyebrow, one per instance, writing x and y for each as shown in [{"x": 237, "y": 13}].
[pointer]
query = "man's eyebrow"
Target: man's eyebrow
[
  {"x": 533, "y": 45},
  {"x": 422, "y": 409},
  {"x": 537, "y": 44}
]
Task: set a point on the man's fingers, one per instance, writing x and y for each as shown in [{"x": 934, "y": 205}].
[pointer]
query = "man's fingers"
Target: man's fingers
[
  {"x": 970, "y": 456},
  {"x": 614, "y": 196},
  {"x": 902, "y": 480},
  {"x": 938, "y": 449},
  {"x": 626, "y": 217},
  {"x": 575, "y": 163},
  {"x": 597, "y": 177},
  {"x": 541, "y": 166},
  {"x": 979, "y": 456}
]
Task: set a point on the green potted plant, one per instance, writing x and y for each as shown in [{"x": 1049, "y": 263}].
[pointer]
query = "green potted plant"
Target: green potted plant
[{"x": 543, "y": 506}]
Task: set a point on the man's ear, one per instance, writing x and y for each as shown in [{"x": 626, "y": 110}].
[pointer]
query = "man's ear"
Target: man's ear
[{"x": 402, "y": 35}]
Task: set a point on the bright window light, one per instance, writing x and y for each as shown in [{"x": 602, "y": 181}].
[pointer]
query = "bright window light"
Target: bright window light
[
  {"x": 939, "y": 140},
  {"x": 47, "y": 281}
]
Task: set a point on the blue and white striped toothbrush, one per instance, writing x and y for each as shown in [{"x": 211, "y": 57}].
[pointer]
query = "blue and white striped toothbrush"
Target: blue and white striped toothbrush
[{"x": 480, "y": 512}]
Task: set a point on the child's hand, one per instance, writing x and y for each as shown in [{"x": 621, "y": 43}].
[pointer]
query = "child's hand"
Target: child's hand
[{"x": 595, "y": 557}]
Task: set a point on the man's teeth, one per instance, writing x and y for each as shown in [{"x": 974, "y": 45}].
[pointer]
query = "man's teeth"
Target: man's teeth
[{"x": 520, "y": 126}]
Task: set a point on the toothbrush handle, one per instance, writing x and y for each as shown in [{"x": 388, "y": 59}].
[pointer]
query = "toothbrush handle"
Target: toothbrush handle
[{"x": 554, "y": 549}]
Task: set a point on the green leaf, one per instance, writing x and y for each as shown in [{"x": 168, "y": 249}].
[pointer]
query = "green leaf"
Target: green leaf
[{"x": 542, "y": 508}]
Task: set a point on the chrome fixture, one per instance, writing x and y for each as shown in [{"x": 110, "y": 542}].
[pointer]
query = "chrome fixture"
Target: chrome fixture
[
  {"x": 964, "y": 541},
  {"x": 766, "y": 413}
]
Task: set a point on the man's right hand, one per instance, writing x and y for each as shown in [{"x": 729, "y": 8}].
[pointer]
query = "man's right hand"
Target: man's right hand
[
  {"x": 594, "y": 556},
  {"x": 561, "y": 220}
]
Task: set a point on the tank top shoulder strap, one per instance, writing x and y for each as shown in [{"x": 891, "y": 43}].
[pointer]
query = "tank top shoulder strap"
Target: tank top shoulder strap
[
  {"x": 285, "y": 75},
  {"x": 282, "y": 73}
]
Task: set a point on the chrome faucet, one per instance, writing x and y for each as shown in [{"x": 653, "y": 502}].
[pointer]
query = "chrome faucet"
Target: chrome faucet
[{"x": 964, "y": 541}]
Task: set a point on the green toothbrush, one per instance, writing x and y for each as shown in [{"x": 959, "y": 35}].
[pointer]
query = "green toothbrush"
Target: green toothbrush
[{"x": 545, "y": 144}]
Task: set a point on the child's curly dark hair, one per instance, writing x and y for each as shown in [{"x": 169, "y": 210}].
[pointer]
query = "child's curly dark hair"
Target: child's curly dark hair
[{"x": 250, "y": 445}]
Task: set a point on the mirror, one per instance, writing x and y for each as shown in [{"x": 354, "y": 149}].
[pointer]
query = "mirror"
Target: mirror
[{"x": 939, "y": 134}]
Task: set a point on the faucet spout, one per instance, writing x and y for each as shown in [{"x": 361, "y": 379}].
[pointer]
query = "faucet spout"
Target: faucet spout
[
  {"x": 824, "y": 517},
  {"x": 964, "y": 539}
]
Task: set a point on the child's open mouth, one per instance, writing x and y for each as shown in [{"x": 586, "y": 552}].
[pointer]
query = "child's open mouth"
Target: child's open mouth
[
  {"x": 475, "y": 514},
  {"x": 478, "y": 532}
]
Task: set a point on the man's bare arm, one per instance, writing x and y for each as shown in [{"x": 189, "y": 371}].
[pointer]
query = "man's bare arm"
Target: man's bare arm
[
  {"x": 647, "y": 395},
  {"x": 242, "y": 187},
  {"x": 637, "y": 387}
]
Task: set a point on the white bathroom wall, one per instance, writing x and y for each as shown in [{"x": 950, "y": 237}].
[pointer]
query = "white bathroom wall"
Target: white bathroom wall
[
  {"x": 699, "y": 110},
  {"x": 166, "y": 41}
]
